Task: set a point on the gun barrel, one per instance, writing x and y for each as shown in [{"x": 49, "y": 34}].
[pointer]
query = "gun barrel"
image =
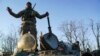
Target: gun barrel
[{"x": 34, "y": 5}]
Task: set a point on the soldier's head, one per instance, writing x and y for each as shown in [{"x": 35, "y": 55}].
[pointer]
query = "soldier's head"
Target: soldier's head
[
  {"x": 29, "y": 5},
  {"x": 77, "y": 42}
]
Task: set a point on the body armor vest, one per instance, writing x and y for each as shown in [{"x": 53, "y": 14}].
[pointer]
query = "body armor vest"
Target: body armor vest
[{"x": 29, "y": 15}]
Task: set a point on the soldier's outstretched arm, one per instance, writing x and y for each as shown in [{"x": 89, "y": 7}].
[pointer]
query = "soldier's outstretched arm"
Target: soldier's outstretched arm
[
  {"x": 41, "y": 16},
  {"x": 13, "y": 14}
]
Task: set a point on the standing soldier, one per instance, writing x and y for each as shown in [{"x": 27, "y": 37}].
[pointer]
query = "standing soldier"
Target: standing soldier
[{"x": 28, "y": 17}]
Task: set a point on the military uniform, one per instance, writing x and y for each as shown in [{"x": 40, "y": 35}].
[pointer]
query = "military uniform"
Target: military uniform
[
  {"x": 28, "y": 20},
  {"x": 28, "y": 17}
]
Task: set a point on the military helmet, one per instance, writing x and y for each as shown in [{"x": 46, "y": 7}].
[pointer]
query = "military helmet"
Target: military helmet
[{"x": 29, "y": 3}]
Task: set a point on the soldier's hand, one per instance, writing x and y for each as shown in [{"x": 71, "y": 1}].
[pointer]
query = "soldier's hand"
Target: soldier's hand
[
  {"x": 47, "y": 14},
  {"x": 8, "y": 8}
]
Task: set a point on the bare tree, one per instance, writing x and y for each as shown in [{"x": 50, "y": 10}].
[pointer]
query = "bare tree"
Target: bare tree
[
  {"x": 70, "y": 31},
  {"x": 9, "y": 43},
  {"x": 76, "y": 32},
  {"x": 96, "y": 31},
  {"x": 88, "y": 45},
  {"x": 1, "y": 34},
  {"x": 83, "y": 38}
]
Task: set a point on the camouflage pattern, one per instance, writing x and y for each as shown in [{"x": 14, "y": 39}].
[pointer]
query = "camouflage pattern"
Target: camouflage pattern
[
  {"x": 28, "y": 20},
  {"x": 28, "y": 17}
]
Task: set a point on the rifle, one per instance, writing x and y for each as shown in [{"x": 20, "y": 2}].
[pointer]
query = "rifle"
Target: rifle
[{"x": 34, "y": 5}]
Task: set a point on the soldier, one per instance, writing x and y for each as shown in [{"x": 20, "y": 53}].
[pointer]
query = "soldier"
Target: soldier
[{"x": 28, "y": 17}]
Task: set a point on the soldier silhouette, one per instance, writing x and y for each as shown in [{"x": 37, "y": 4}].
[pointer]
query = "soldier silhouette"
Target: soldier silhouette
[{"x": 28, "y": 17}]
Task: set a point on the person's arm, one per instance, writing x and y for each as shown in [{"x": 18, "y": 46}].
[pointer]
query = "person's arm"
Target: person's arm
[
  {"x": 13, "y": 14},
  {"x": 41, "y": 16}
]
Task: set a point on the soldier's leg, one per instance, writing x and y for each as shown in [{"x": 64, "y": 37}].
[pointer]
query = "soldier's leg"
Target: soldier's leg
[
  {"x": 33, "y": 31},
  {"x": 24, "y": 29}
]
